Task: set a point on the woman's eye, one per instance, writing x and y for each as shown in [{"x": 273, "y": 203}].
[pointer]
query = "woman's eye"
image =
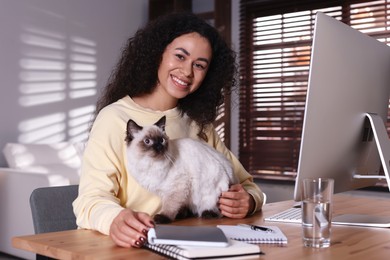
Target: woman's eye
[
  {"x": 181, "y": 57},
  {"x": 199, "y": 66}
]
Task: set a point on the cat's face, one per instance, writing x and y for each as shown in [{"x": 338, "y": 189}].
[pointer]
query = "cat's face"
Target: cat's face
[{"x": 149, "y": 140}]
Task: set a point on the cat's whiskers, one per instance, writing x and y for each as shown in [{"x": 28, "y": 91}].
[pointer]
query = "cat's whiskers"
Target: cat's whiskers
[{"x": 169, "y": 157}]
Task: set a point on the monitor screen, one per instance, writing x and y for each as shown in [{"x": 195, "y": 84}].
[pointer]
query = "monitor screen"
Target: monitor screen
[{"x": 349, "y": 77}]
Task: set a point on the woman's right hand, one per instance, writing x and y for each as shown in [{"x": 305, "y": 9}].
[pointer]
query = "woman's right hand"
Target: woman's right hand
[{"x": 129, "y": 228}]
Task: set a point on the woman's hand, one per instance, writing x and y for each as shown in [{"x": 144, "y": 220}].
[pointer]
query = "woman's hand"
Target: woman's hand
[
  {"x": 236, "y": 202},
  {"x": 129, "y": 228}
]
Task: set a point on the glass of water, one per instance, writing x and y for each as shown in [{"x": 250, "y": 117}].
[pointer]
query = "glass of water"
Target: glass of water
[{"x": 317, "y": 212}]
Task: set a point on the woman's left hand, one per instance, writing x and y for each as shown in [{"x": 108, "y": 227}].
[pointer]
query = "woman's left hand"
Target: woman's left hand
[{"x": 236, "y": 202}]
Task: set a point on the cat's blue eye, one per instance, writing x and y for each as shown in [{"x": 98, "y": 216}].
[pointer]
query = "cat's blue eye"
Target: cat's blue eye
[{"x": 147, "y": 141}]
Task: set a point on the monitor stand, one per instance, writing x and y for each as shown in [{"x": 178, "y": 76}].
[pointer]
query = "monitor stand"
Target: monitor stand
[{"x": 383, "y": 145}]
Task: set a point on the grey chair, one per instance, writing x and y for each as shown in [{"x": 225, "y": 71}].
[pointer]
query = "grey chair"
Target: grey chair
[{"x": 52, "y": 209}]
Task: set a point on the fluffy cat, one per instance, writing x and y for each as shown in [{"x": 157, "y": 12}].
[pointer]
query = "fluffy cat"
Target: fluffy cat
[{"x": 187, "y": 174}]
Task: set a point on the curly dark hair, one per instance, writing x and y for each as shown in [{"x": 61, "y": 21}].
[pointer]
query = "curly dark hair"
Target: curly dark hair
[{"x": 136, "y": 71}]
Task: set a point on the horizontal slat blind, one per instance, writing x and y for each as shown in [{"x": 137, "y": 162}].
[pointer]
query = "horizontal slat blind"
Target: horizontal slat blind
[{"x": 275, "y": 46}]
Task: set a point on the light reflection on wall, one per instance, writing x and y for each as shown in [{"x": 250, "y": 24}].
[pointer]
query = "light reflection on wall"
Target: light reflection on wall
[
  {"x": 79, "y": 120},
  {"x": 83, "y": 62},
  {"x": 56, "y": 68},
  {"x": 44, "y": 129}
]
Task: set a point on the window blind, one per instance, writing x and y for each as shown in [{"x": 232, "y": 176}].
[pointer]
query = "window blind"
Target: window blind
[{"x": 275, "y": 47}]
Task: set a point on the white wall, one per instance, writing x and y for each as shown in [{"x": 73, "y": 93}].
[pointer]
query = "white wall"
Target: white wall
[{"x": 56, "y": 55}]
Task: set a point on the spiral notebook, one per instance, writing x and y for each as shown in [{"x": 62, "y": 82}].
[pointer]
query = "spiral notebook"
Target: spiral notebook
[
  {"x": 245, "y": 234},
  {"x": 234, "y": 250}
]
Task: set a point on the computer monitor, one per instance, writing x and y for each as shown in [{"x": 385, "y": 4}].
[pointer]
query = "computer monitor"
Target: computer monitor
[{"x": 346, "y": 108}]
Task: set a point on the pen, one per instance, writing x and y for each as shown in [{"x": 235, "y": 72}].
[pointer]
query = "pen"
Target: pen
[{"x": 257, "y": 228}]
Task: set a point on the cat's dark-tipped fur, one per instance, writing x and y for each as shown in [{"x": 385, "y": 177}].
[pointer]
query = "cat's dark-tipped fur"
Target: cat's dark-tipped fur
[
  {"x": 210, "y": 214},
  {"x": 130, "y": 129},
  {"x": 185, "y": 212},
  {"x": 161, "y": 219},
  {"x": 133, "y": 127}
]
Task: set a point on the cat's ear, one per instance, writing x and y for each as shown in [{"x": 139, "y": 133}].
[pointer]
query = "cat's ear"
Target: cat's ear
[
  {"x": 131, "y": 129},
  {"x": 161, "y": 123}
]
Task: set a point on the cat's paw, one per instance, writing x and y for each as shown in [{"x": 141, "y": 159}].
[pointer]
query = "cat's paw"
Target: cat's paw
[
  {"x": 210, "y": 214},
  {"x": 184, "y": 212},
  {"x": 161, "y": 219}
]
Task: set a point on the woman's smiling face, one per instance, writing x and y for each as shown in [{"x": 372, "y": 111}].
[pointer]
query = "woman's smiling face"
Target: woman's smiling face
[{"x": 184, "y": 65}]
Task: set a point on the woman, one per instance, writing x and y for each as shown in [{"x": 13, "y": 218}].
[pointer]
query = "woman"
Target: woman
[{"x": 177, "y": 66}]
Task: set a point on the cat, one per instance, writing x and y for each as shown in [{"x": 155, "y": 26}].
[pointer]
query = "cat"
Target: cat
[{"x": 188, "y": 175}]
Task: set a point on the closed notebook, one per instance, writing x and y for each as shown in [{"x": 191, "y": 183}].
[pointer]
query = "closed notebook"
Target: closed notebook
[
  {"x": 234, "y": 250},
  {"x": 187, "y": 236},
  {"x": 248, "y": 235}
]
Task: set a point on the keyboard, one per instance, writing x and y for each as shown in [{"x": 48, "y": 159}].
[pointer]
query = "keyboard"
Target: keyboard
[{"x": 291, "y": 215}]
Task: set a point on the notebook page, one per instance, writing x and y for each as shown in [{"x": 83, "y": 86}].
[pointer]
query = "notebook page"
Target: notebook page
[{"x": 253, "y": 236}]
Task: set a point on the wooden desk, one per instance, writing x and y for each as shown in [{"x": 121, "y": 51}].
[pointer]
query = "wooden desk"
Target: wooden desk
[{"x": 347, "y": 242}]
